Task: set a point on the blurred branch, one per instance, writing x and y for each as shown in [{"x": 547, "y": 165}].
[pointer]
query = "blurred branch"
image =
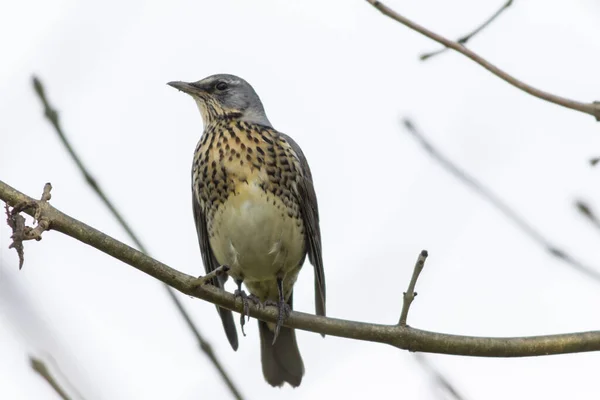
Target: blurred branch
[
  {"x": 592, "y": 109},
  {"x": 440, "y": 380},
  {"x": 33, "y": 332},
  {"x": 594, "y": 161},
  {"x": 403, "y": 337},
  {"x": 588, "y": 213},
  {"x": 410, "y": 294},
  {"x": 52, "y": 115},
  {"x": 500, "y": 205},
  {"x": 40, "y": 367},
  {"x": 464, "y": 39}
]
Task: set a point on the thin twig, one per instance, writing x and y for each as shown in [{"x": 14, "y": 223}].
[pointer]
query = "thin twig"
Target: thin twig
[
  {"x": 223, "y": 269},
  {"x": 410, "y": 294},
  {"x": 403, "y": 337},
  {"x": 52, "y": 116},
  {"x": 592, "y": 109},
  {"x": 464, "y": 39},
  {"x": 588, "y": 213},
  {"x": 40, "y": 367},
  {"x": 440, "y": 380},
  {"x": 500, "y": 205}
]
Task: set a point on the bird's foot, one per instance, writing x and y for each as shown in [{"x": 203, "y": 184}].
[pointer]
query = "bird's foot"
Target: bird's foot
[
  {"x": 284, "y": 312},
  {"x": 246, "y": 299}
]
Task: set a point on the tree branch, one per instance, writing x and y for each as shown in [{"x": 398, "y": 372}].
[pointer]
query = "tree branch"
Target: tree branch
[
  {"x": 436, "y": 376},
  {"x": 410, "y": 294},
  {"x": 407, "y": 338},
  {"x": 440, "y": 380},
  {"x": 500, "y": 205},
  {"x": 592, "y": 109},
  {"x": 464, "y": 39},
  {"x": 588, "y": 213},
  {"x": 40, "y": 367},
  {"x": 52, "y": 115}
]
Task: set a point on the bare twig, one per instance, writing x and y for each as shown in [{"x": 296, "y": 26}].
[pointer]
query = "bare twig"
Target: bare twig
[
  {"x": 588, "y": 213},
  {"x": 22, "y": 232},
  {"x": 592, "y": 109},
  {"x": 464, "y": 39},
  {"x": 410, "y": 294},
  {"x": 40, "y": 367},
  {"x": 223, "y": 269},
  {"x": 438, "y": 378},
  {"x": 500, "y": 205},
  {"x": 52, "y": 116},
  {"x": 403, "y": 337}
]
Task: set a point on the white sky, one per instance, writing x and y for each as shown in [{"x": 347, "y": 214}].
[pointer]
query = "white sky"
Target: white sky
[{"x": 337, "y": 76}]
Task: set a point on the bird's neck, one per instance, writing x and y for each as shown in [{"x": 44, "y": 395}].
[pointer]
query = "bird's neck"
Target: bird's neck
[
  {"x": 212, "y": 112},
  {"x": 256, "y": 116}
]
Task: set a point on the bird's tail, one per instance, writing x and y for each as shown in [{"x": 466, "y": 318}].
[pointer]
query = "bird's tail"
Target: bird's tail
[{"x": 281, "y": 362}]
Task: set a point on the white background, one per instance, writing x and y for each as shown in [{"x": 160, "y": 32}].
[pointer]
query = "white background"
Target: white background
[{"x": 337, "y": 76}]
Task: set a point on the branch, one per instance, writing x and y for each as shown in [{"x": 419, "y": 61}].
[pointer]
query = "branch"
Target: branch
[
  {"x": 592, "y": 109},
  {"x": 464, "y": 39},
  {"x": 40, "y": 367},
  {"x": 440, "y": 380},
  {"x": 402, "y": 337},
  {"x": 594, "y": 161},
  {"x": 410, "y": 294},
  {"x": 500, "y": 205},
  {"x": 52, "y": 116},
  {"x": 588, "y": 213}
]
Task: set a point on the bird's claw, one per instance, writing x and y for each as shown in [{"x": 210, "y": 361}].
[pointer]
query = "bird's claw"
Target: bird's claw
[
  {"x": 284, "y": 312},
  {"x": 246, "y": 299}
]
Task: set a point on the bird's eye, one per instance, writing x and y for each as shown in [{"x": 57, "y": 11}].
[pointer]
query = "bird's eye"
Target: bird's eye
[{"x": 221, "y": 86}]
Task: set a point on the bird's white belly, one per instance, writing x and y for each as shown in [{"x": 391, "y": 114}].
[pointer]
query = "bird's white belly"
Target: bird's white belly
[{"x": 254, "y": 235}]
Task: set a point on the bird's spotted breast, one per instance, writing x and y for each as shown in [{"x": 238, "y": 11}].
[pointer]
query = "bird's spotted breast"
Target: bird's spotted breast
[
  {"x": 233, "y": 152},
  {"x": 245, "y": 178}
]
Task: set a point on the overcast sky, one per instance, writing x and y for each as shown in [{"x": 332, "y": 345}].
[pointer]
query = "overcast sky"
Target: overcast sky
[{"x": 337, "y": 76}]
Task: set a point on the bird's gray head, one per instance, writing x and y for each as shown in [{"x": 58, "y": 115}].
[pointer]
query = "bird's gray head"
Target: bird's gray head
[{"x": 223, "y": 95}]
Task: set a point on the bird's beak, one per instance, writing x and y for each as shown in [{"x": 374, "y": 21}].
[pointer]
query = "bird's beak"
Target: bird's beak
[{"x": 185, "y": 87}]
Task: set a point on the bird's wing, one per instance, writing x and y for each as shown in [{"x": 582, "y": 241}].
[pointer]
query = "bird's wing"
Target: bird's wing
[
  {"x": 210, "y": 264},
  {"x": 310, "y": 215}
]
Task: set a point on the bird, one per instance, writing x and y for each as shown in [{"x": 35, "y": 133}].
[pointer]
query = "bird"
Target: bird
[{"x": 256, "y": 212}]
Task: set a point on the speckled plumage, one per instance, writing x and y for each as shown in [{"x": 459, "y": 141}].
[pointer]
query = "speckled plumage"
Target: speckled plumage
[
  {"x": 255, "y": 210},
  {"x": 231, "y": 152},
  {"x": 238, "y": 164}
]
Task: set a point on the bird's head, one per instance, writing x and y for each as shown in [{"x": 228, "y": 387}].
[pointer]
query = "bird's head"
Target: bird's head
[{"x": 224, "y": 95}]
